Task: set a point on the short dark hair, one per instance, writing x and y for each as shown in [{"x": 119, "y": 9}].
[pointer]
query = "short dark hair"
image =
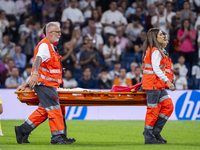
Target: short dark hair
[
  {"x": 30, "y": 23},
  {"x": 181, "y": 56},
  {"x": 112, "y": 1},
  {"x": 28, "y": 66},
  {"x": 104, "y": 68},
  {"x": 137, "y": 67},
  {"x": 86, "y": 68},
  {"x": 68, "y": 70},
  {"x": 161, "y": 5},
  {"x": 18, "y": 45},
  {"x": 168, "y": 3},
  {"x": 85, "y": 37},
  {"x": 139, "y": 8},
  {"x": 11, "y": 18},
  {"x": 11, "y": 59},
  {"x": 122, "y": 68},
  {"x": 14, "y": 68},
  {"x": 135, "y": 18},
  {"x": 84, "y": 44},
  {"x": 116, "y": 62},
  {"x": 185, "y": 1}
]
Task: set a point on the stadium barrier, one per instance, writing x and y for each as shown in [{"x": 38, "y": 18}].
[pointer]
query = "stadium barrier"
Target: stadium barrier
[{"x": 186, "y": 107}]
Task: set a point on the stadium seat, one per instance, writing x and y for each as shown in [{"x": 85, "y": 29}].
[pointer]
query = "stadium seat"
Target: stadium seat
[
  {"x": 174, "y": 57},
  {"x": 189, "y": 69},
  {"x": 197, "y": 84},
  {"x": 126, "y": 63},
  {"x": 77, "y": 74},
  {"x": 138, "y": 57},
  {"x": 127, "y": 55},
  {"x": 190, "y": 83}
]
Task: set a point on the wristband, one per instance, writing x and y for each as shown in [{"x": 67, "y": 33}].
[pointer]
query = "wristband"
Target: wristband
[{"x": 0, "y": 100}]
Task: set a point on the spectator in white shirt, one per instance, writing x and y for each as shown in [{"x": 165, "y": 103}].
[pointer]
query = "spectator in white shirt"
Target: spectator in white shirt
[
  {"x": 111, "y": 19},
  {"x": 168, "y": 11},
  {"x": 180, "y": 82},
  {"x": 22, "y": 8},
  {"x": 115, "y": 72},
  {"x": 86, "y": 6},
  {"x": 6, "y": 47},
  {"x": 96, "y": 17},
  {"x": 197, "y": 24},
  {"x": 3, "y": 23},
  {"x": 122, "y": 41},
  {"x": 196, "y": 75},
  {"x": 76, "y": 39},
  {"x": 14, "y": 80},
  {"x": 73, "y": 13},
  {"x": 161, "y": 21},
  {"x": 23, "y": 27},
  {"x": 134, "y": 30},
  {"x": 131, "y": 74},
  {"x": 154, "y": 2},
  {"x": 68, "y": 81},
  {"x": 8, "y": 6},
  {"x": 111, "y": 50},
  {"x": 182, "y": 68},
  {"x": 96, "y": 38},
  {"x": 86, "y": 30}
]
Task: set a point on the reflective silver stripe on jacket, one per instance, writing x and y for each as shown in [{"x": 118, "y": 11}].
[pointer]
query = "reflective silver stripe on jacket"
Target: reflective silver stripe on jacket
[
  {"x": 163, "y": 116},
  {"x": 168, "y": 70},
  {"x": 51, "y": 71},
  {"x": 52, "y": 107},
  {"x": 150, "y": 66},
  {"x": 50, "y": 79},
  {"x": 148, "y": 126},
  {"x": 150, "y": 72},
  {"x": 57, "y": 132},
  {"x": 40, "y": 105},
  {"x": 152, "y": 105},
  {"x": 164, "y": 98},
  {"x": 30, "y": 123}
]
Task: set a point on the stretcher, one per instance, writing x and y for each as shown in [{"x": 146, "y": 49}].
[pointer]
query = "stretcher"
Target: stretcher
[{"x": 90, "y": 98}]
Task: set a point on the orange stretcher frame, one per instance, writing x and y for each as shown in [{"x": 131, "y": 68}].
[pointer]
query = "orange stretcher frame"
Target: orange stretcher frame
[{"x": 89, "y": 98}]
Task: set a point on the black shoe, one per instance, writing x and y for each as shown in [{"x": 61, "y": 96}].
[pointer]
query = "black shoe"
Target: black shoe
[
  {"x": 63, "y": 142},
  {"x": 19, "y": 135},
  {"x": 25, "y": 139},
  {"x": 154, "y": 142},
  {"x": 72, "y": 140},
  {"x": 159, "y": 137}
]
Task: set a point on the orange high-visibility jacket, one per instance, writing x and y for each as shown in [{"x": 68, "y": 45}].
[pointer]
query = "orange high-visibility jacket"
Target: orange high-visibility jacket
[
  {"x": 168, "y": 70},
  {"x": 50, "y": 72},
  {"x": 150, "y": 79}
]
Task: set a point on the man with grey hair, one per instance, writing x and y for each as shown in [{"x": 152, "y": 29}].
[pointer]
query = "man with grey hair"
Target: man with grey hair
[{"x": 46, "y": 77}]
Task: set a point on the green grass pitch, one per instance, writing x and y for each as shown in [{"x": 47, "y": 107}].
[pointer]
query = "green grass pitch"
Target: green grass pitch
[{"x": 105, "y": 135}]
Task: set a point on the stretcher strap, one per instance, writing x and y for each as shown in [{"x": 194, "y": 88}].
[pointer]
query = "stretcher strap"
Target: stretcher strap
[{"x": 126, "y": 89}]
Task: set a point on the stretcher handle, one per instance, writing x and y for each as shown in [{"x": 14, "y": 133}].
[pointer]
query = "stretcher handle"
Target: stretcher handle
[
  {"x": 81, "y": 92},
  {"x": 19, "y": 92}
]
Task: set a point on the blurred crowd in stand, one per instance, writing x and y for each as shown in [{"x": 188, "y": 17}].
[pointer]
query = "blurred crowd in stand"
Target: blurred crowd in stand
[{"x": 102, "y": 40}]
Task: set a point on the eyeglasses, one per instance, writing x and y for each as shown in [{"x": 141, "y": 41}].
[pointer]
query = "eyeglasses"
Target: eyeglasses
[{"x": 59, "y": 32}]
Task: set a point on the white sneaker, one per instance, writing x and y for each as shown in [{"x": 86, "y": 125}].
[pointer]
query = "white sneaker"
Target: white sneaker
[{"x": 1, "y": 134}]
